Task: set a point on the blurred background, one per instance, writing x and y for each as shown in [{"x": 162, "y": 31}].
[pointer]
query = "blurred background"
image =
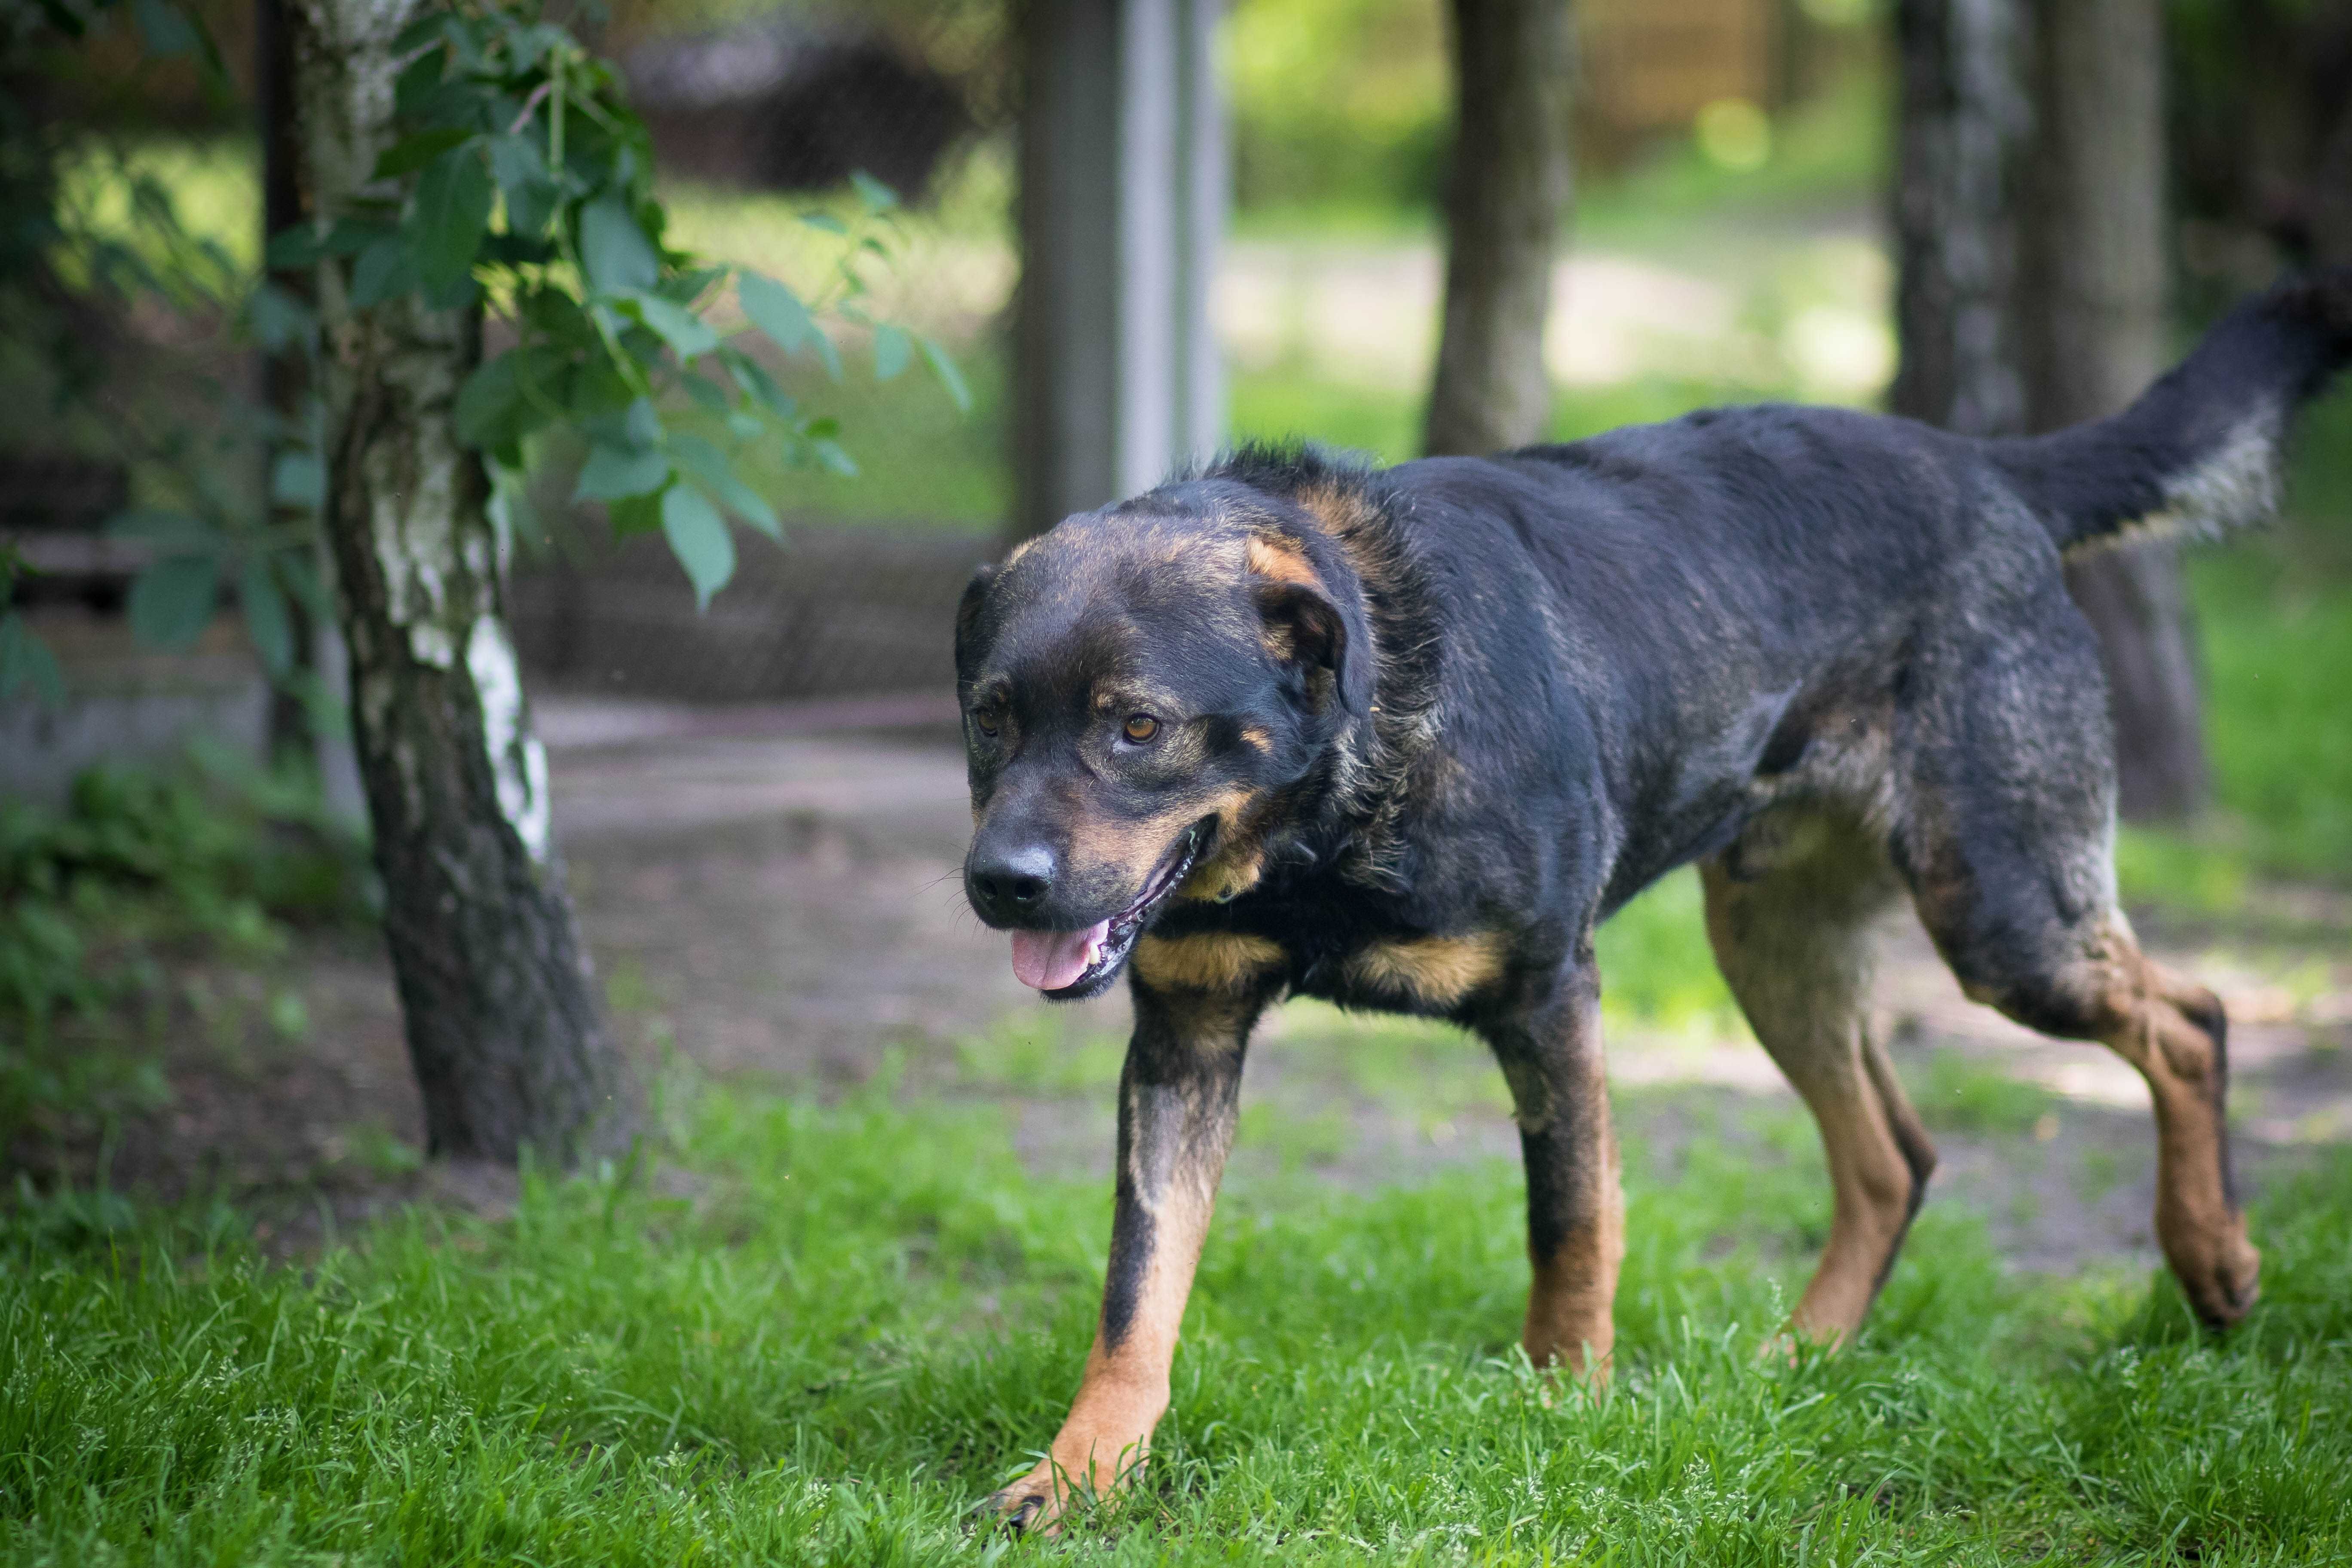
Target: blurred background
[{"x": 1148, "y": 227}]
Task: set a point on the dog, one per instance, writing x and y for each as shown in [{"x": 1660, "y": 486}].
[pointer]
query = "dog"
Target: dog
[{"x": 1402, "y": 739}]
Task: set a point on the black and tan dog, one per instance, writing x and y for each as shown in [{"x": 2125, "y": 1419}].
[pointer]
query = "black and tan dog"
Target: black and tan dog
[{"x": 1403, "y": 739}]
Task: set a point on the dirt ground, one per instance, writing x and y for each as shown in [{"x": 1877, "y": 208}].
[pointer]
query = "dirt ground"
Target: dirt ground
[{"x": 771, "y": 895}]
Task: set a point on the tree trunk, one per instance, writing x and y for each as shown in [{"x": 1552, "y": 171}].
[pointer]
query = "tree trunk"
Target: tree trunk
[
  {"x": 2095, "y": 251},
  {"x": 1964, "y": 121},
  {"x": 1507, "y": 193},
  {"x": 503, "y": 1027}
]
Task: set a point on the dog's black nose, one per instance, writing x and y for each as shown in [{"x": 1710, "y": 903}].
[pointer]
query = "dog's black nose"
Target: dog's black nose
[{"x": 1010, "y": 882}]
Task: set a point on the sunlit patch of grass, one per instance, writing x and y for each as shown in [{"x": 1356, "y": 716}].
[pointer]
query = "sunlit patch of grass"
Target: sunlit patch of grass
[
  {"x": 1656, "y": 966},
  {"x": 1968, "y": 1094}
]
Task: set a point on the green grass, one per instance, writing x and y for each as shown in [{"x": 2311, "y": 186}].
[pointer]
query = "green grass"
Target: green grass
[
  {"x": 865, "y": 1317},
  {"x": 1968, "y": 1094}
]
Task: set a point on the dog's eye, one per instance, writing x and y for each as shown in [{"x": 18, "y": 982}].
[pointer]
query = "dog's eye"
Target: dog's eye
[
  {"x": 986, "y": 721},
  {"x": 1139, "y": 728}
]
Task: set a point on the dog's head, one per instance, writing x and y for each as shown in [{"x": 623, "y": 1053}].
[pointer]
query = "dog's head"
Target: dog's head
[{"x": 1137, "y": 686}]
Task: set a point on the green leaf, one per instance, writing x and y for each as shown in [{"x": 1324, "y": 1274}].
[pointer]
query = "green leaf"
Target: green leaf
[
  {"x": 298, "y": 478},
  {"x": 26, "y": 659},
  {"x": 643, "y": 424},
  {"x": 411, "y": 153},
  {"x": 775, "y": 310},
  {"x": 686, "y": 333},
  {"x": 419, "y": 83},
  {"x": 277, "y": 320},
  {"x": 831, "y": 457},
  {"x": 163, "y": 28},
  {"x": 634, "y": 515},
  {"x": 487, "y": 400},
  {"x": 709, "y": 464},
  {"x": 383, "y": 272},
  {"x": 825, "y": 221},
  {"x": 876, "y": 196},
  {"x": 266, "y": 618},
  {"x": 451, "y": 215},
  {"x": 617, "y": 255},
  {"x": 531, "y": 193},
  {"x": 706, "y": 395},
  {"x": 892, "y": 352},
  {"x": 416, "y": 35},
  {"x": 757, "y": 384},
  {"x": 615, "y": 473},
  {"x": 290, "y": 249},
  {"x": 301, "y": 580},
  {"x": 698, "y": 538},
  {"x": 164, "y": 531},
  {"x": 950, "y": 376},
  {"x": 171, "y": 600}
]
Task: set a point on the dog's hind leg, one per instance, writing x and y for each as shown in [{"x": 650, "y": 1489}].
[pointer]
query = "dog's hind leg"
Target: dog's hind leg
[
  {"x": 1549, "y": 1044},
  {"x": 2087, "y": 980},
  {"x": 1792, "y": 941},
  {"x": 1177, "y": 1096},
  {"x": 2006, "y": 838}
]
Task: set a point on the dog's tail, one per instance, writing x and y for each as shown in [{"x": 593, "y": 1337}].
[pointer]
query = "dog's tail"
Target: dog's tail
[{"x": 2202, "y": 450}]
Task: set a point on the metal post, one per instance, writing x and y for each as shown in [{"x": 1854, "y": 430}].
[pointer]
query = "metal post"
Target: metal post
[{"x": 1122, "y": 206}]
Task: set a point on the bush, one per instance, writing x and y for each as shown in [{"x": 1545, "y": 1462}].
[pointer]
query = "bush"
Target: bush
[{"x": 213, "y": 857}]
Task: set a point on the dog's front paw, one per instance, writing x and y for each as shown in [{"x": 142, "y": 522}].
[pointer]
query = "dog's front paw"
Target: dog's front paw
[
  {"x": 1040, "y": 1501},
  {"x": 1031, "y": 1503},
  {"x": 2222, "y": 1277}
]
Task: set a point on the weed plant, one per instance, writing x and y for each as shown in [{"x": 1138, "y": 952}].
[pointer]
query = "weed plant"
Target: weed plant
[{"x": 142, "y": 869}]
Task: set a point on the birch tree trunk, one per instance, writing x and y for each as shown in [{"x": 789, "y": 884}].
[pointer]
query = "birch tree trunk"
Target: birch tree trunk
[
  {"x": 2095, "y": 249},
  {"x": 1505, "y": 197},
  {"x": 510, "y": 1045}
]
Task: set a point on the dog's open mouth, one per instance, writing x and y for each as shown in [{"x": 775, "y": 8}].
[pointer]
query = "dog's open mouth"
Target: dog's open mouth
[{"x": 1072, "y": 965}]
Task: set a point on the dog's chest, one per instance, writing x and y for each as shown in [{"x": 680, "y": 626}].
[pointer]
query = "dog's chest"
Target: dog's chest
[{"x": 1343, "y": 946}]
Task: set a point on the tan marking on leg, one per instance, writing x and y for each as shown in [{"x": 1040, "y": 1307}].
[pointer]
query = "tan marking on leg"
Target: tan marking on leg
[
  {"x": 1207, "y": 961},
  {"x": 1438, "y": 971},
  {"x": 1571, "y": 1305},
  {"x": 1107, "y": 1436},
  {"x": 1178, "y": 1100},
  {"x": 1794, "y": 945},
  {"x": 2149, "y": 1017}
]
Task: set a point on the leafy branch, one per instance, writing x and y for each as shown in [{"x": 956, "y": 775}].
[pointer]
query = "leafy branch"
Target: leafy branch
[{"x": 523, "y": 181}]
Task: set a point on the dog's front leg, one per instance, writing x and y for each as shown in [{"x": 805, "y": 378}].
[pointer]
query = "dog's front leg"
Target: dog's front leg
[
  {"x": 1549, "y": 1043},
  {"x": 1177, "y": 1099}
]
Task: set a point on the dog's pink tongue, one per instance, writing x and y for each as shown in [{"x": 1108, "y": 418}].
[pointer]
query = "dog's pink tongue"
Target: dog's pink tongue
[{"x": 1049, "y": 960}]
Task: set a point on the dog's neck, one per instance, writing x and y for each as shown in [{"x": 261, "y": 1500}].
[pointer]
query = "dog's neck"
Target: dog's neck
[{"x": 1368, "y": 780}]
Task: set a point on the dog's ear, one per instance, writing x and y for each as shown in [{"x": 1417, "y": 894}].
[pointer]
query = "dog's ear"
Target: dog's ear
[
  {"x": 967, "y": 621},
  {"x": 1306, "y": 632}
]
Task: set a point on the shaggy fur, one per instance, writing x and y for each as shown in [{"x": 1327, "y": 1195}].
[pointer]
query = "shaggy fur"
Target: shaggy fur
[{"x": 1413, "y": 734}]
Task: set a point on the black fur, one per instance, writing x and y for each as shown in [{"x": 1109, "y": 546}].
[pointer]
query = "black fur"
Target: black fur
[{"x": 1490, "y": 700}]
